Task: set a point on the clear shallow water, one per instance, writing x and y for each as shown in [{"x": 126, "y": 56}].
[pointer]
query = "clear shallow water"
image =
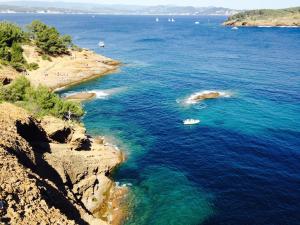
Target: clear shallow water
[{"x": 241, "y": 164}]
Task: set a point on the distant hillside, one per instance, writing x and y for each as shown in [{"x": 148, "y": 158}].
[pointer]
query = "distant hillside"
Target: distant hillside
[
  {"x": 76, "y": 8},
  {"x": 266, "y": 17}
]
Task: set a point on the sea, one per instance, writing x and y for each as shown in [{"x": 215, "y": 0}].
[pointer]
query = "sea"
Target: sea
[{"x": 241, "y": 164}]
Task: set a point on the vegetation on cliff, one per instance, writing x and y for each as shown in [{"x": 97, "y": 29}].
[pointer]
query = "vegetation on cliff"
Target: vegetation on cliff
[
  {"x": 39, "y": 100},
  {"x": 11, "y": 37},
  {"x": 266, "y": 17},
  {"x": 47, "y": 40}
]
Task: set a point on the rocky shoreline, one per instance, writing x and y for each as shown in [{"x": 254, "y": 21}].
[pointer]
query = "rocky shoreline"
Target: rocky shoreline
[
  {"x": 82, "y": 96},
  {"x": 262, "y": 23},
  {"x": 62, "y": 174},
  {"x": 53, "y": 172},
  {"x": 289, "y": 17},
  {"x": 62, "y": 71}
]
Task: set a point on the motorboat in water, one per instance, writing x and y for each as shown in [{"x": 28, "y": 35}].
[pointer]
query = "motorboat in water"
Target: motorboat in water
[
  {"x": 101, "y": 44},
  {"x": 234, "y": 28},
  {"x": 191, "y": 122},
  {"x": 197, "y": 22}
]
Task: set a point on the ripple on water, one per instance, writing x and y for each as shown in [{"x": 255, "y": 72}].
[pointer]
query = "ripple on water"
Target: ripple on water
[{"x": 163, "y": 193}]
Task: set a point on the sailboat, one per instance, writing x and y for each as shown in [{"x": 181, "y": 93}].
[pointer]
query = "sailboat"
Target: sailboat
[
  {"x": 173, "y": 20},
  {"x": 169, "y": 20},
  {"x": 157, "y": 20}
]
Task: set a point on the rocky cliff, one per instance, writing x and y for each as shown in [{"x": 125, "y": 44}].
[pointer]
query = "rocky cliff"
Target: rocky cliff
[
  {"x": 51, "y": 172},
  {"x": 266, "y": 17}
]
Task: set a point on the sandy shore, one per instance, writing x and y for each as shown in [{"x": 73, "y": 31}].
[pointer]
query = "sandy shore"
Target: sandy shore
[{"x": 63, "y": 71}]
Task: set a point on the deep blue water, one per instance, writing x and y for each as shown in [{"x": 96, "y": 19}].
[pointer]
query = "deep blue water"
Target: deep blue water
[{"x": 241, "y": 164}]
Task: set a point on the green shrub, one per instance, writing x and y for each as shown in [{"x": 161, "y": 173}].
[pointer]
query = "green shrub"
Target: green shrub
[
  {"x": 17, "y": 60},
  {"x": 40, "y": 101},
  {"x": 46, "y": 57},
  {"x": 16, "y": 90},
  {"x": 32, "y": 66},
  {"x": 5, "y": 53}
]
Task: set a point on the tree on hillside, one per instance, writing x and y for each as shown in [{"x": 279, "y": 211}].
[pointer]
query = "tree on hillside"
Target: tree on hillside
[
  {"x": 10, "y": 33},
  {"x": 11, "y": 52},
  {"x": 48, "y": 39}
]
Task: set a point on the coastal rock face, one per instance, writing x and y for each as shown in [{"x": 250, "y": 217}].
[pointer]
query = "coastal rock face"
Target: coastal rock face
[
  {"x": 57, "y": 129},
  {"x": 43, "y": 178},
  {"x": 266, "y": 17}
]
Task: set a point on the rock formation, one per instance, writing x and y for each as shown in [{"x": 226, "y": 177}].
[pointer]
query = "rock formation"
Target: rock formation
[
  {"x": 51, "y": 172},
  {"x": 209, "y": 95},
  {"x": 82, "y": 96}
]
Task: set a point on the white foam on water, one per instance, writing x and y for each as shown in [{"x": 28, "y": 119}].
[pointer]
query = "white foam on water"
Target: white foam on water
[
  {"x": 191, "y": 100},
  {"x": 100, "y": 94}
]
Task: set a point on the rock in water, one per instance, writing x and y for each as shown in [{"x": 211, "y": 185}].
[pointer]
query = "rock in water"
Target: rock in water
[{"x": 209, "y": 95}]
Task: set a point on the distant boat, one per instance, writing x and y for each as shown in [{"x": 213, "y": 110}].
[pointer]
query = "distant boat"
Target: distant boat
[
  {"x": 173, "y": 20},
  {"x": 101, "y": 44},
  {"x": 234, "y": 28},
  {"x": 191, "y": 122},
  {"x": 197, "y": 22},
  {"x": 169, "y": 20},
  {"x": 157, "y": 20}
]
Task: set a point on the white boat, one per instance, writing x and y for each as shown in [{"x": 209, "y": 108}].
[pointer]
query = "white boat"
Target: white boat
[
  {"x": 101, "y": 44},
  {"x": 234, "y": 28},
  {"x": 169, "y": 20},
  {"x": 173, "y": 20},
  {"x": 157, "y": 20},
  {"x": 191, "y": 122},
  {"x": 197, "y": 22}
]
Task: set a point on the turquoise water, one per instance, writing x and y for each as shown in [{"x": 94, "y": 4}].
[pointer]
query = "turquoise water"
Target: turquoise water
[{"x": 240, "y": 165}]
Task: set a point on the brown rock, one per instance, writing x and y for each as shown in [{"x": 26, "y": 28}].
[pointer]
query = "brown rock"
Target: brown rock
[
  {"x": 57, "y": 129},
  {"x": 210, "y": 95},
  {"x": 43, "y": 181},
  {"x": 83, "y": 96}
]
